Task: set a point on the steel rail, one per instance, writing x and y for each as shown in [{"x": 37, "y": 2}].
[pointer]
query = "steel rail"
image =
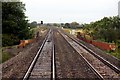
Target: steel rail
[
  {"x": 89, "y": 65},
  {"x": 53, "y": 58},
  {"x": 26, "y": 76},
  {"x": 113, "y": 67}
]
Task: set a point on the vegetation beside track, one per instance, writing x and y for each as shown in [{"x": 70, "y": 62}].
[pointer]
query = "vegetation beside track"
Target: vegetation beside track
[
  {"x": 14, "y": 23},
  {"x": 105, "y": 30}
]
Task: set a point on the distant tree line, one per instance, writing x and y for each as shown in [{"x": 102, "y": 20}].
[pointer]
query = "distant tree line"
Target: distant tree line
[
  {"x": 33, "y": 24},
  {"x": 73, "y": 25},
  {"x": 14, "y": 23}
]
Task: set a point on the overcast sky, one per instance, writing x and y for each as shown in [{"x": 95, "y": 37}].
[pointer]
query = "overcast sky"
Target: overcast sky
[{"x": 82, "y": 11}]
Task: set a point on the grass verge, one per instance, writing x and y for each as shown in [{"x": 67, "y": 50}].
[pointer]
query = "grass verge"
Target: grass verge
[{"x": 5, "y": 56}]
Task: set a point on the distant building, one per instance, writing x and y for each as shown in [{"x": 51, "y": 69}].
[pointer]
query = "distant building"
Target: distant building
[{"x": 119, "y": 8}]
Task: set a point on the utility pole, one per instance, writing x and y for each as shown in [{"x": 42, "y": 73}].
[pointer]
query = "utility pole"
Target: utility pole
[{"x": 119, "y": 9}]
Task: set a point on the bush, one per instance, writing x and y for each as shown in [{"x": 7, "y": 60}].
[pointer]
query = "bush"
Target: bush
[
  {"x": 9, "y": 40},
  {"x": 5, "y": 57}
]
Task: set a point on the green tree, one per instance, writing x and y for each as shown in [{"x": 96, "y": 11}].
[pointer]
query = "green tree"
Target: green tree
[
  {"x": 107, "y": 29},
  {"x": 33, "y": 24},
  {"x": 14, "y": 22},
  {"x": 74, "y": 24},
  {"x": 67, "y": 25}
]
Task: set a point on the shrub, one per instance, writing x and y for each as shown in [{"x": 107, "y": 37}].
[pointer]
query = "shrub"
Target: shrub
[
  {"x": 9, "y": 40},
  {"x": 5, "y": 57}
]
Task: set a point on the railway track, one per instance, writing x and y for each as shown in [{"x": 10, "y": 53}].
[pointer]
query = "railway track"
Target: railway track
[
  {"x": 105, "y": 61},
  {"x": 69, "y": 64},
  {"x": 43, "y": 64},
  {"x": 100, "y": 66}
]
